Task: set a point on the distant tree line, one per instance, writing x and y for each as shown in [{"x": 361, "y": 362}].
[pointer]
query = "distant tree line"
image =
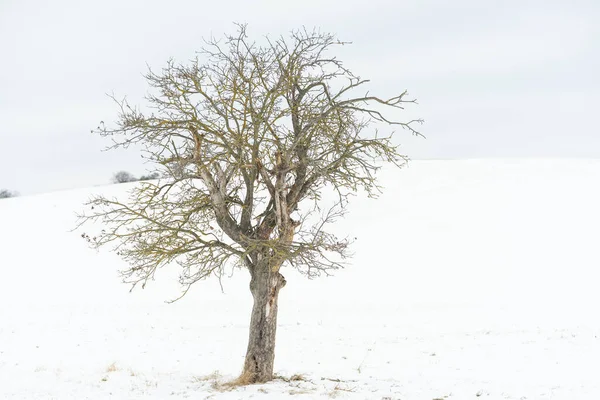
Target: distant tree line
[
  {"x": 125, "y": 177},
  {"x": 118, "y": 177},
  {"x": 5, "y": 194}
]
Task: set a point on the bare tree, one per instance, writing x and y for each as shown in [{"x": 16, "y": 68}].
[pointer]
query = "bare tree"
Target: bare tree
[
  {"x": 5, "y": 194},
  {"x": 150, "y": 177},
  {"x": 248, "y": 140},
  {"x": 123, "y": 177}
]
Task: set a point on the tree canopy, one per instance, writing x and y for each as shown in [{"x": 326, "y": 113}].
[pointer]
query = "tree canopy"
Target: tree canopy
[{"x": 247, "y": 136}]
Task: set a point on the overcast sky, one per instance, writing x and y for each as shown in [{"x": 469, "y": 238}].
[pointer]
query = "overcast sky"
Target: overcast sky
[{"x": 512, "y": 78}]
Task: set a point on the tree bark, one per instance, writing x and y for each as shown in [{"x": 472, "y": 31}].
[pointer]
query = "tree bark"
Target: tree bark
[{"x": 264, "y": 285}]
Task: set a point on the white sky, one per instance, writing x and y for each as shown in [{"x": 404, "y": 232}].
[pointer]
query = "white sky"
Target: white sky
[{"x": 513, "y": 78}]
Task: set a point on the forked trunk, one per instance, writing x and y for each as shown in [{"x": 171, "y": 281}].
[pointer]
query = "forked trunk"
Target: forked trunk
[{"x": 265, "y": 286}]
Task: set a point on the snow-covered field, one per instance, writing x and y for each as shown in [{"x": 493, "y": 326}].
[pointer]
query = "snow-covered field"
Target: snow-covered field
[{"x": 471, "y": 279}]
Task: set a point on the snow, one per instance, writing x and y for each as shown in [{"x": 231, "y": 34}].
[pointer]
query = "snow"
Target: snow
[{"x": 471, "y": 279}]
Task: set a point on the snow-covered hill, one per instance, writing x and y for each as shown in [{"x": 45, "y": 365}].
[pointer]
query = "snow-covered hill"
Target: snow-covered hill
[{"x": 471, "y": 279}]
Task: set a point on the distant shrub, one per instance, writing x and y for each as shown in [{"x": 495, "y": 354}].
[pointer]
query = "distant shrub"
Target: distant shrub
[
  {"x": 149, "y": 177},
  {"x": 5, "y": 194},
  {"x": 123, "y": 177}
]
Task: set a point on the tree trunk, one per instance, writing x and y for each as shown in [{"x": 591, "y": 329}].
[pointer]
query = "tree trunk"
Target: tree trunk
[{"x": 265, "y": 286}]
